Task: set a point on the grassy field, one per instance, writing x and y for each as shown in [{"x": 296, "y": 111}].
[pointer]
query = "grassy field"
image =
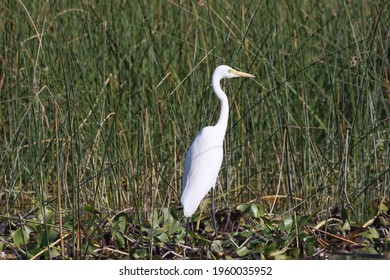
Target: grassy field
[{"x": 99, "y": 103}]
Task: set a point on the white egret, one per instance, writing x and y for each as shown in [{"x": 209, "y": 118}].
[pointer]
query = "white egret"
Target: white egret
[{"x": 204, "y": 158}]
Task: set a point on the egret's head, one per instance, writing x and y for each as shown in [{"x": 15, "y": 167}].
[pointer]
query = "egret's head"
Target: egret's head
[{"x": 224, "y": 71}]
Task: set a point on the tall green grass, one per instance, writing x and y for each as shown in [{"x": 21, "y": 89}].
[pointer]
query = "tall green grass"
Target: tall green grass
[{"x": 100, "y": 101}]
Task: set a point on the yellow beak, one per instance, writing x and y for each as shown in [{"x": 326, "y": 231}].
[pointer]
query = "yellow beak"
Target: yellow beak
[{"x": 242, "y": 74}]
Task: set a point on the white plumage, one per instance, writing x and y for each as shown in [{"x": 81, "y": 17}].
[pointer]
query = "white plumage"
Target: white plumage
[
  {"x": 204, "y": 158},
  {"x": 203, "y": 161}
]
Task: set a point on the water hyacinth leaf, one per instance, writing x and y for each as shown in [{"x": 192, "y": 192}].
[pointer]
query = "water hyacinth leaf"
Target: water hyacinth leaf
[
  {"x": 33, "y": 225},
  {"x": 295, "y": 252},
  {"x": 170, "y": 223},
  {"x": 21, "y": 236},
  {"x": 368, "y": 235},
  {"x": 120, "y": 223},
  {"x": 163, "y": 237},
  {"x": 50, "y": 216},
  {"x": 304, "y": 220},
  {"x": 246, "y": 234},
  {"x": 154, "y": 219},
  {"x": 244, "y": 208},
  {"x": 254, "y": 211},
  {"x": 91, "y": 209},
  {"x": 261, "y": 210},
  {"x": 346, "y": 225},
  {"x": 210, "y": 255},
  {"x": 281, "y": 257},
  {"x": 216, "y": 246},
  {"x": 54, "y": 253},
  {"x": 243, "y": 251},
  {"x": 383, "y": 207},
  {"x": 270, "y": 248},
  {"x": 174, "y": 214},
  {"x": 288, "y": 223},
  {"x": 267, "y": 222},
  {"x": 167, "y": 217},
  {"x": 47, "y": 237},
  {"x": 344, "y": 214},
  {"x": 374, "y": 233},
  {"x": 278, "y": 252},
  {"x": 119, "y": 240},
  {"x": 45, "y": 215},
  {"x": 174, "y": 227},
  {"x": 205, "y": 202}
]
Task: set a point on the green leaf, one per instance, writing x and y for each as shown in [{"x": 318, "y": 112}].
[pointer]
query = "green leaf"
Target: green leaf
[
  {"x": 118, "y": 239},
  {"x": 46, "y": 215},
  {"x": 91, "y": 209},
  {"x": 54, "y": 253},
  {"x": 278, "y": 252},
  {"x": 374, "y": 232},
  {"x": 244, "y": 208},
  {"x": 261, "y": 210},
  {"x": 154, "y": 219},
  {"x": 383, "y": 207},
  {"x": 344, "y": 214},
  {"x": 346, "y": 225},
  {"x": 174, "y": 227},
  {"x": 368, "y": 235},
  {"x": 243, "y": 251},
  {"x": 203, "y": 204},
  {"x": 21, "y": 236},
  {"x": 47, "y": 237},
  {"x": 163, "y": 237},
  {"x": 50, "y": 216},
  {"x": 288, "y": 223},
  {"x": 295, "y": 252},
  {"x": 120, "y": 224},
  {"x": 255, "y": 211},
  {"x": 270, "y": 248},
  {"x": 216, "y": 246},
  {"x": 281, "y": 257}
]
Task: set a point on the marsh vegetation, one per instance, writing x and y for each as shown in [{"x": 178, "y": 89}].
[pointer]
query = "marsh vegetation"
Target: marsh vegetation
[{"x": 100, "y": 101}]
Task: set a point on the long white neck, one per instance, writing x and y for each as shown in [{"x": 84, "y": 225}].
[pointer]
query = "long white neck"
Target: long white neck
[{"x": 224, "y": 114}]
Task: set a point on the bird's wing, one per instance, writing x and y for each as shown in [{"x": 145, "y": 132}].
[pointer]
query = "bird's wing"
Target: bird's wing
[{"x": 203, "y": 161}]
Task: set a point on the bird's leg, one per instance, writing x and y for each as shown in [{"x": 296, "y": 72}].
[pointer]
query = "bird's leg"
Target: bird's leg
[
  {"x": 187, "y": 222},
  {"x": 213, "y": 211}
]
